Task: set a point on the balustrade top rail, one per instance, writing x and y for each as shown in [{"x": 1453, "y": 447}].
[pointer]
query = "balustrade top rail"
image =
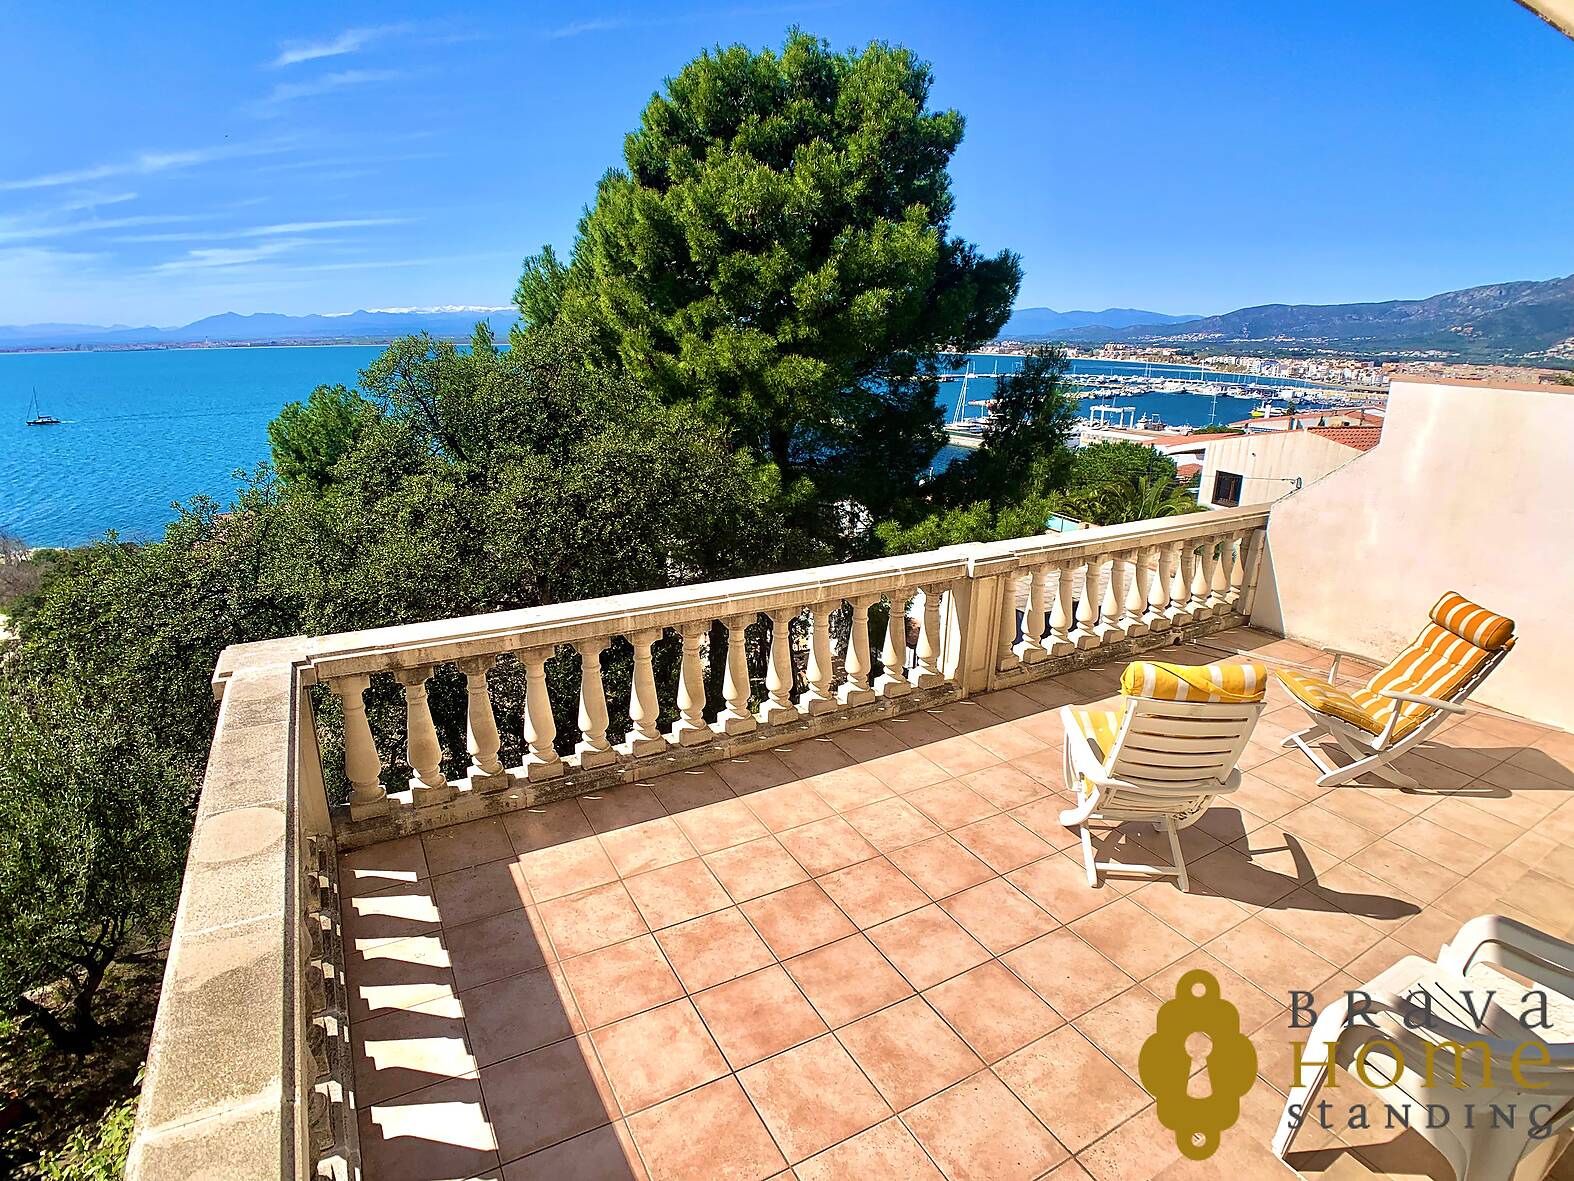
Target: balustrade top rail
[{"x": 412, "y": 645}]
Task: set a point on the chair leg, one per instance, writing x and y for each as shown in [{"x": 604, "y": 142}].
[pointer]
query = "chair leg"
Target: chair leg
[
  {"x": 1087, "y": 856},
  {"x": 1175, "y": 850},
  {"x": 1295, "y": 739}
]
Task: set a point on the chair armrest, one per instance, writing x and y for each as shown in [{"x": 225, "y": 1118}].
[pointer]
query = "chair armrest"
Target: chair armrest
[
  {"x": 1418, "y": 699},
  {"x": 1080, "y": 751},
  {"x": 1532, "y": 953}
]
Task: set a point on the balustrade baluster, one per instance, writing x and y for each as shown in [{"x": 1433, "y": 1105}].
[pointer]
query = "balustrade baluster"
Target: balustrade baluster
[
  {"x": 926, "y": 672},
  {"x": 1237, "y": 571},
  {"x": 690, "y": 728},
  {"x": 1005, "y": 655},
  {"x": 818, "y": 697},
  {"x": 1251, "y": 561},
  {"x": 361, "y": 764},
  {"x": 1156, "y": 582},
  {"x": 1179, "y": 584},
  {"x": 736, "y": 718},
  {"x": 422, "y": 750},
  {"x": 486, "y": 772},
  {"x": 1031, "y": 649},
  {"x": 541, "y": 758},
  {"x": 1108, "y": 628},
  {"x": 1085, "y": 635},
  {"x": 777, "y": 708},
  {"x": 1219, "y": 576},
  {"x": 1060, "y": 620},
  {"x": 1136, "y": 595},
  {"x": 643, "y": 737},
  {"x": 892, "y": 681},
  {"x": 1202, "y": 580},
  {"x": 855, "y": 690},
  {"x": 593, "y": 749}
]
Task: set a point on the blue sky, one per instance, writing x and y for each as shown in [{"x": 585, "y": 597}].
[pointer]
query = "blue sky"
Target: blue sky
[{"x": 164, "y": 162}]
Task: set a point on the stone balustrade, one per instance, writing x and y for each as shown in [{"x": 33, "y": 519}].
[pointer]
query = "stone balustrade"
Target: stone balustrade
[{"x": 249, "y": 1054}]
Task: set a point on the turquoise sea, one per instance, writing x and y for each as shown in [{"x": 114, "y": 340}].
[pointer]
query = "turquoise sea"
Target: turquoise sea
[{"x": 142, "y": 429}]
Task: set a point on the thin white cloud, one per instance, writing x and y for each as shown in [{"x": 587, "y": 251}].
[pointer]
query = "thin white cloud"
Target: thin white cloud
[
  {"x": 349, "y": 41},
  {"x": 142, "y": 164},
  {"x": 208, "y": 259},
  {"x": 15, "y": 231},
  {"x": 288, "y": 92},
  {"x": 289, "y": 227}
]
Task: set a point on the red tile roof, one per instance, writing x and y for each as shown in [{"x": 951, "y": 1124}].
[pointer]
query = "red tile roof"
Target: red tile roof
[
  {"x": 1362, "y": 438},
  {"x": 1186, "y": 471}
]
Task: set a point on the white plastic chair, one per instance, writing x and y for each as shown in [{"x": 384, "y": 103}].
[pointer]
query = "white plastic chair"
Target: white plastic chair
[{"x": 1462, "y": 1040}]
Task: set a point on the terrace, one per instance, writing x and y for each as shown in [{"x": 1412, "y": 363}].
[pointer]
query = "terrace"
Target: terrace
[{"x": 814, "y": 915}]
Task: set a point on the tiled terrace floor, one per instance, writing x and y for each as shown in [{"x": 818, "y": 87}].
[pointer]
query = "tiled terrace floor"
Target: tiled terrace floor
[{"x": 875, "y": 955}]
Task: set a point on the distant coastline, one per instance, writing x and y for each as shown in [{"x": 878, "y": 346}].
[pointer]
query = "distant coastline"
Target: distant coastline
[{"x": 172, "y": 346}]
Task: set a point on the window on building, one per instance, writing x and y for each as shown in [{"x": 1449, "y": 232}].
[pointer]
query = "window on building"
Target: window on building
[{"x": 1226, "y": 488}]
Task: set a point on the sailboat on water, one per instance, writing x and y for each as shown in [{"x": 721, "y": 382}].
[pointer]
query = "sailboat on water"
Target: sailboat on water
[{"x": 37, "y": 417}]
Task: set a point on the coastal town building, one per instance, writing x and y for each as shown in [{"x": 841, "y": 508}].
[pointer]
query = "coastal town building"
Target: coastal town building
[
  {"x": 1265, "y": 465},
  {"x": 840, "y": 922}
]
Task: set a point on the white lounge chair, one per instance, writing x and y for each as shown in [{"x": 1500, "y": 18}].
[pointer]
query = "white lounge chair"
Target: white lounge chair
[
  {"x": 1163, "y": 756},
  {"x": 1405, "y": 702},
  {"x": 1466, "y": 1030}
]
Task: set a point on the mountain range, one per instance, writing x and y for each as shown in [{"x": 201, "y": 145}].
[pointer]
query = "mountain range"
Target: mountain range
[
  {"x": 1520, "y": 321},
  {"x": 1031, "y": 323},
  {"x": 265, "y": 328}
]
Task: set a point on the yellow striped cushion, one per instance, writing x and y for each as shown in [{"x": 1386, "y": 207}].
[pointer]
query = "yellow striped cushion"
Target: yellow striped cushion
[
  {"x": 1473, "y": 622},
  {"x": 1194, "y": 682},
  {"x": 1327, "y": 699},
  {"x": 1101, "y": 727}
]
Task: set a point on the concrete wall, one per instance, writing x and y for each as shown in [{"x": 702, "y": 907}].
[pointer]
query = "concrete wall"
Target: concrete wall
[
  {"x": 1471, "y": 489},
  {"x": 1269, "y": 462}
]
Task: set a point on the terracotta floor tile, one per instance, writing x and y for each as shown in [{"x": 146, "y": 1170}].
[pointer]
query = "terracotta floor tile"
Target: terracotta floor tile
[
  {"x": 919, "y": 729},
  {"x": 1313, "y": 922},
  {"x": 797, "y": 919},
  {"x": 1250, "y": 875},
  {"x": 847, "y": 979},
  {"x": 993, "y": 1011},
  {"x": 377, "y": 867},
  {"x": 604, "y": 1154},
  {"x": 813, "y": 756},
  {"x": 638, "y": 848},
  {"x": 1138, "y": 1150},
  {"x": 1004, "y": 785},
  {"x": 940, "y": 866},
  {"x": 621, "y": 806},
  {"x": 826, "y": 845},
  {"x": 812, "y": 1096},
  {"x": 892, "y": 824},
  {"x": 906, "y": 770},
  {"x": 755, "y": 868},
  {"x": 1269, "y": 958},
  {"x": 502, "y": 945},
  {"x": 758, "y": 1015},
  {"x": 1461, "y": 852},
  {"x": 886, "y": 1152},
  {"x": 927, "y": 946},
  {"x": 1007, "y": 740},
  {"x": 1327, "y": 830},
  {"x": 1059, "y": 884},
  {"x": 979, "y": 1131},
  {"x": 949, "y": 804},
  {"x": 852, "y": 787},
  {"x": 690, "y": 789},
  {"x": 1120, "y": 1025},
  {"x": 709, "y": 1132},
  {"x": 998, "y": 915},
  {"x": 1102, "y": 1097},
  {"x": 519, "y": 1013},
  {"x": 397, "y": 975},
  {"x": 385, "y": 916},
  {"x": 438, "y": 1131},
  {"x": 713, "y": 948},
  {"x": 1198, "y": 915},
  {"x": 1067, "y": 973},
  {"x": 657, "y": 1054},
  {"x": 481, "y": 890},
  {"x": 1137, "y": 941},
  {"x": 546, "y": 1096},
  {"x": 407, "y": 1050},
  {"x": 546, "y": 825},
  {"x": 568, "y": 868},
  {"x": 872, "y": 891},
  {"x": 958, "y": 755},
  {"x": 908, "y": 1052},
  {"x": 676, "y": 893},
  {"x": 591, "y": 919},
  {"x": 1254, "y": 1005},
  {"x": 1001, "y": 843},
  {"x": 459, "y": 846},
  {"x": 754, "y": 773},
  {"x": 621, "y": 980},
  {"x": 1421, "y": 877},
  {"x": 864, "y": 743},
  {"x": 1041, "y": 817},
  {"x": 719, "y": 826}
]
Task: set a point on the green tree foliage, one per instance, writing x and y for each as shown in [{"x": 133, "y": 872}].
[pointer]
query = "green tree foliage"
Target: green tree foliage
[
  {"x": 1025, "y": 450},
  {"x": 308, "y": 438},
  {"x": 776, "y": 251},
  {"x": 96, "y": 1152},
  {"x": 1112, "y": 483},
  {"x": 93, "y": 821}
]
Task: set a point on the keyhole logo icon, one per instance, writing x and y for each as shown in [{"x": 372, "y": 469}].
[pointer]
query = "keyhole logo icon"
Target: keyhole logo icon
[{"x": 1165, "y": 1065}]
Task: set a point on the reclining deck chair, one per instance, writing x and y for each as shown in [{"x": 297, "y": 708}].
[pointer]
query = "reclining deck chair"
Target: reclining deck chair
[
  {"x": 1164, "y": 756},
  {"x": 1459, "y": 1052},
  {"x": 1404, "y": 703}
]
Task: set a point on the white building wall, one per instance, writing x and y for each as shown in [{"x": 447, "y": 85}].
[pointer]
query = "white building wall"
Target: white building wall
[
  {"x": 1269, "y": 463},
  {"x": 1472, "y": 489}
]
